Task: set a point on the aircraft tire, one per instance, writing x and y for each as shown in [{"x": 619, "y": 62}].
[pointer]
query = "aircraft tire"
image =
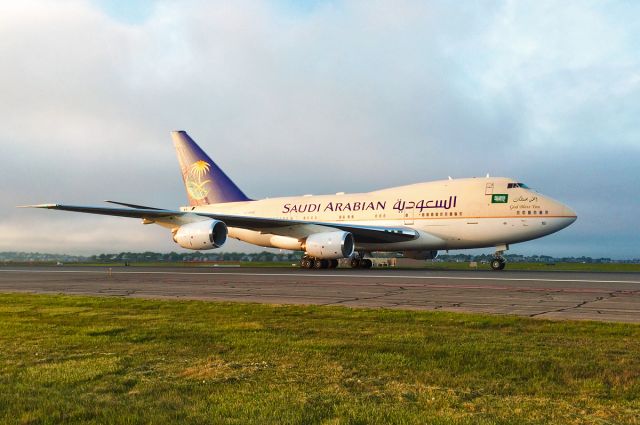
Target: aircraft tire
[
  {"x": 355, "y": 263},
  {"x": 366, "y": 263},
  {"x": 333, "y": 264},
  {"x": 498, "y": 264},
  {"x": 320, "y": 264}
]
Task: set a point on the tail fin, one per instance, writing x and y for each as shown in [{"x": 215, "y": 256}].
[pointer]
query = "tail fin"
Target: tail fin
[{"x": 205, "y": 182}]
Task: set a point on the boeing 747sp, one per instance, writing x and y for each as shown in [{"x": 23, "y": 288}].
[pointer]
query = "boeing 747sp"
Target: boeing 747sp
[{"x": 417, "y": 220}]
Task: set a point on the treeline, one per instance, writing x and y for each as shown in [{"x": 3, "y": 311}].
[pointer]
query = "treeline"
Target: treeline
[{"x": 141, "y": 257}]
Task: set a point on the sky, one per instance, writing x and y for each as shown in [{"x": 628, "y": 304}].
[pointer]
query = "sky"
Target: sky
[{"x": 296, "y": 97}]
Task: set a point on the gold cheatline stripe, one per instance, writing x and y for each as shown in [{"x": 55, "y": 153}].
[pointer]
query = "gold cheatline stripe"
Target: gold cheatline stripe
[{"x": 441, "y": 218}]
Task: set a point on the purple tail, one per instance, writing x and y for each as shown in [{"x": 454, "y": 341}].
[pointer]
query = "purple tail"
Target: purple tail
[{"x": 205, "y": 182}]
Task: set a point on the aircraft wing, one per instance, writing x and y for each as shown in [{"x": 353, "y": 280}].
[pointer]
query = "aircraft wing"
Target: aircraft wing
[
  {"x": 302, "y": 229},
  {"x": 291, "y": 228}
]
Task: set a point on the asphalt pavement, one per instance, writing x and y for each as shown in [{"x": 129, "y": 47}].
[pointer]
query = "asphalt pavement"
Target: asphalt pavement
[{"x": 551, "y": 295}]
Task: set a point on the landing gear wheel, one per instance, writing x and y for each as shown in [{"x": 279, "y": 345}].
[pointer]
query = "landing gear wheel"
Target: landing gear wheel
[
  {"x": 498, "y": 264},
  {"x": 320, "y": 264},
  {"x": 333, "y": 264},
  {"x": 366, "y": 263},
  {"x": 355, "y": 263},
  {"x": 306, "y": 263}
]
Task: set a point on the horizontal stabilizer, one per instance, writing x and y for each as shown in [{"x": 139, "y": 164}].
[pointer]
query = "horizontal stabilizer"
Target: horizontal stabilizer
[{"x": 131, "y": 205}]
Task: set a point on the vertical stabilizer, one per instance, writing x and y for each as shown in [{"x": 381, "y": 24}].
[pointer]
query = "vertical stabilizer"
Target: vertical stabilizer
[{"x": 205, "y": 182}]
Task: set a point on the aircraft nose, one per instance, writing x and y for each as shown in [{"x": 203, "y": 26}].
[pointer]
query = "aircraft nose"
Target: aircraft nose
[{"x": 569, "y": 213}]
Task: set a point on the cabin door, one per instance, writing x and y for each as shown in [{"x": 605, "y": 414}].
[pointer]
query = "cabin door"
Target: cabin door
[{"x": 488, "y": 189}]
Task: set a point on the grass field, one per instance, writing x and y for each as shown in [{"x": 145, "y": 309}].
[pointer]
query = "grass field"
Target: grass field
[
  {"x": 111, "y": 360},
  {"x": 574, "y": 267}
]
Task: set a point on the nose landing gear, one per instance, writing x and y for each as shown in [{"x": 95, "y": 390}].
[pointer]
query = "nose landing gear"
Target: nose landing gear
[{"x": 498, "y": 262}]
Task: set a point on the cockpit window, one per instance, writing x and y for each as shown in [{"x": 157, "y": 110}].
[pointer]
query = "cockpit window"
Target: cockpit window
[{"x": 514, "y": 185}]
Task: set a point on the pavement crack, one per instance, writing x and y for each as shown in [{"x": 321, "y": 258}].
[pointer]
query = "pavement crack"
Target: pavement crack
[
  {"x": 578, "y": 305},
  {"x": 388, "y": 293}
]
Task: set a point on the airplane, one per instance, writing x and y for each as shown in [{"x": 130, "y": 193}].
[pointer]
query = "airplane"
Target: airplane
[{"x": 417, "y": 220}]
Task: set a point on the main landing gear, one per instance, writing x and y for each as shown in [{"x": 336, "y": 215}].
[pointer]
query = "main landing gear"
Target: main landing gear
[
  {"x": 316, "y": 263},
  {"x": 308, "y": 262},
  {"x": 361, "y": 263}
]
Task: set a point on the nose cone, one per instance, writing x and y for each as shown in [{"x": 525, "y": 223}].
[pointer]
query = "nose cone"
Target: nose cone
[{"x": 569, "y": 213}]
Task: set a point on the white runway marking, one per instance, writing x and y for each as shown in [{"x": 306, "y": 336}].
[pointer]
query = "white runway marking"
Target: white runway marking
[{"x": 311, "y": 274}]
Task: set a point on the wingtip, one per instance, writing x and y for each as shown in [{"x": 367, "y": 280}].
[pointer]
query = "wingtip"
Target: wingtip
[{"x": 38, "y": 206}]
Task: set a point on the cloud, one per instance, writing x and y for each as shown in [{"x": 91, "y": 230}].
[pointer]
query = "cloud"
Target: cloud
[{"x": 333, "y": 96}]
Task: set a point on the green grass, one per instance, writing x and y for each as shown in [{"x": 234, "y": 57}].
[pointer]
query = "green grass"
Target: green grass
[
  {"x": 578, "y": 267},
  {"x": 113, "y": 360}
]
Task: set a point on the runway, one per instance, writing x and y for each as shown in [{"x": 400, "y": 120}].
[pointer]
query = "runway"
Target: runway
[{"x": 551, "y": 295}]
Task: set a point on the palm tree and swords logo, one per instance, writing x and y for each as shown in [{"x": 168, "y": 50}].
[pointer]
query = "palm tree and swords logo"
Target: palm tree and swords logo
[{"x": 195, "y": 185}]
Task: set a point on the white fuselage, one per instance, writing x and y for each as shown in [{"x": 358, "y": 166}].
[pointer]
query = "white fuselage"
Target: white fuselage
[{"x": 447, "y": 214}]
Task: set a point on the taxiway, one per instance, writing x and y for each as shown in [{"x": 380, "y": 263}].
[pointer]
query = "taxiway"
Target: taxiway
[{"x": 552, "y": 295}]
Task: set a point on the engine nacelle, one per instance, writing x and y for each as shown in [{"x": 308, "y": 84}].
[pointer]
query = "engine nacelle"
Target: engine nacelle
[
  {"x": 330, "y": 245},
  {"x": 421, "y": 255},
  {"x": 207, "y": 234}
]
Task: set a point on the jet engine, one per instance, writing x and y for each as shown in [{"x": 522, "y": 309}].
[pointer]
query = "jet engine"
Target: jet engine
[
  {"x": 207, "y": 234},
  {"x": 330, "y": 245},
  {"x": 421, "y": 255}
]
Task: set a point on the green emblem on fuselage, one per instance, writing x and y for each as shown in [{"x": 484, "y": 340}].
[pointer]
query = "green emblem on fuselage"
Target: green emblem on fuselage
[{"x": 499, "y": 198}]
